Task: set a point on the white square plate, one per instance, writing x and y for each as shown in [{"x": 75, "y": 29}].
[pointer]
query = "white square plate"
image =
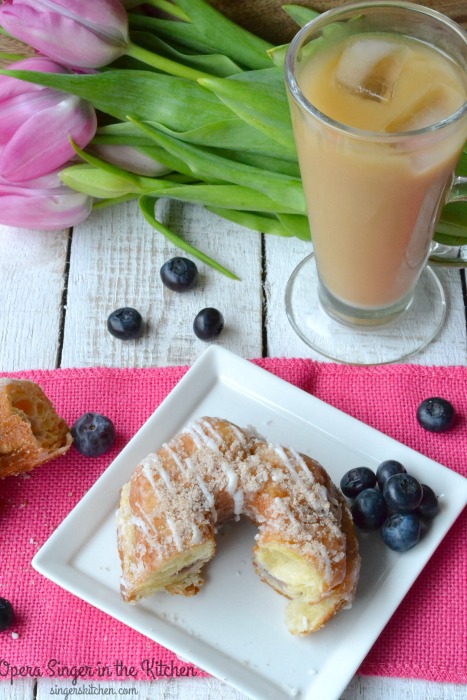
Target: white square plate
[{"x": 234, "y": 628}]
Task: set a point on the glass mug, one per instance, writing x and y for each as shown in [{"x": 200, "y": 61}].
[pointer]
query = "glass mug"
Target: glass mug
[{"x": 374, "y": 195}]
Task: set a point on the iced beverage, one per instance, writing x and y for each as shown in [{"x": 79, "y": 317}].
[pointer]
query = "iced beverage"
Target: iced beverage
[{"x": 374, "y": 170}]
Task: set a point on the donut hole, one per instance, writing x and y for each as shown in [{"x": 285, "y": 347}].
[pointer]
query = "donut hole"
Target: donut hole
[{"x": 290, "y": 572}]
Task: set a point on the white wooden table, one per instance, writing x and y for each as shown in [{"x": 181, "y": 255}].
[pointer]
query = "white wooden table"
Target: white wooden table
[{"x": 57, "y": 289}]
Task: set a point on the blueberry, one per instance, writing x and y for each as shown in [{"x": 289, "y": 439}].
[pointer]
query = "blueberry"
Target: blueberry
[
  {"x": 94, "y": 434},
  {"x": 208, "y": 324},
  {"x": 436, "y": 415},
  {"x": 7, "y": 614},
  {"x": 369, "y": 510},
  {"x": 428, "y": 506},
  {"x": 179, "y": 274},
  {"x": 403, "y": 493},
  {"x": 387, "y": 469},
  {"x": 401, "y": 531},
  {"x": 356, "y": 480},
  {"x": 125, "y": 323}
]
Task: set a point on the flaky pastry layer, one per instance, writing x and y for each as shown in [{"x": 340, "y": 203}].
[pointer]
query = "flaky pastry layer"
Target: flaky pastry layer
[{"x": 31, "y": 431}]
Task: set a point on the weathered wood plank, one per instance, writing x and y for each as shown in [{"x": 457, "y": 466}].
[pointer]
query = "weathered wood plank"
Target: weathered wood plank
[
  {"x": 115, "y": 261},
  {"x": 282, "y": 256},
  {"x": 32, "y": 268},
  {"x": 361, "y": 688},
  {"x": 22, "y": 689},
  {"x": 375, "y": 688}
]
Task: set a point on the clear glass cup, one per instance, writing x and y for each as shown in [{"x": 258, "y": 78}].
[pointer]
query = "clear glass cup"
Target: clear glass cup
[{"x": 374, "y": 197}]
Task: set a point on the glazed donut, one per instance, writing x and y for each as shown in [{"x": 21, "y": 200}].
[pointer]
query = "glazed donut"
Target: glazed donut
[{"x": 213, "y": 470}]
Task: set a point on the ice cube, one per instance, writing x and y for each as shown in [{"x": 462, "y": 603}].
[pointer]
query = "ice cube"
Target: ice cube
[
  {"x": 369, "y": 67},
  {"x": 437, "y": 103}
]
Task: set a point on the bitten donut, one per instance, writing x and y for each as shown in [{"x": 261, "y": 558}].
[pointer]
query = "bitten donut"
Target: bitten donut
[
  {"x": 31, "y": 431},
  {"x": 305, "y": 549}
]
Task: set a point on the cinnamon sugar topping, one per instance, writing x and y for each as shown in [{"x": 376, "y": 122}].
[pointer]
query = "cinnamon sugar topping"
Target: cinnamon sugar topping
[{"x": 209, "y": 473}]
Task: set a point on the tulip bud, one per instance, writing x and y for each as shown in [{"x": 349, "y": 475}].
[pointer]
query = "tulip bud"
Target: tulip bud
[
  {"x": 79, "y": 33},
  {"x": 97, "y": 183},
  {"x": 129, "y": 158},
  {"x": 38, "y": 122},
  {"x": 43, "y": 203}
]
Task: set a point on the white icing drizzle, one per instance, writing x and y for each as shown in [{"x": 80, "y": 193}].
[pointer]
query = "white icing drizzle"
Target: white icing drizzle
[
  {"x": 238, "y": 433},
  {"x": 232, "y": 478},
  {"x": 279, "y": 450},
  {"x": 317, "y": 497},
  {"x": 195, "y": 429},
  {"x": 206, "y": 492},
  {"x": 138, "y": 522},
  {"x": 204, "y": 489},
  {"x": 163, "y": 474},
  {"x": 202, "y": 427},
  {"x": 214, "y": 433},
  {"x": 176, "y": 537},
  {"x": 147, "y": 528},
  {"x": 323, "y": 492},
  {"x": 154, "y": 464},
  {"x": 197, "y": 535},
  {"x": 288, "y": 512},
  {"x": 170, "y": 487},
  {"x": 175, "y": 458},
  {"x": 319, "y": 546},
  {"x": 141, "y": 548},
  {"x": 147, "y": 466},
  {"x": 277, "y": 475},
  {"x": 239, "y": 501},
  {"x": 301, "y": 462},
  {"x": 194, "y": 436}
]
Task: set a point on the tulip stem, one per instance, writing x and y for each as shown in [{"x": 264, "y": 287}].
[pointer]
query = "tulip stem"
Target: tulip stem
[
  {"x": 170, "y": 8},
  {"x": 103, "y": 203},
  {"x": 164, "y": 64},
  {"x": 12, "y": 57}
]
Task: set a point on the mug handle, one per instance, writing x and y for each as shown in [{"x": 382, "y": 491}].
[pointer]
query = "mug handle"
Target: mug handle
[{"x": 447, "y": 255}]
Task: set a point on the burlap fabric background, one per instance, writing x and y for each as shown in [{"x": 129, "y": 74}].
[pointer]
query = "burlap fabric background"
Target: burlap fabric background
[
  {"x": 425, "y": 638},
  {"x": 267, "y": 19}
]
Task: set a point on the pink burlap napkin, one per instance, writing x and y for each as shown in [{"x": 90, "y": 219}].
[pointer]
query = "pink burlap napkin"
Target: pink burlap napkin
[{"x": 427, "y": 636}]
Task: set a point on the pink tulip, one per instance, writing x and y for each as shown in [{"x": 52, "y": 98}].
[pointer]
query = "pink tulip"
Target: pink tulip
[
  {"x": 37, "y": 122},
  {"x": 79, "y": 33},
  {"x": 10, "y": 87},
  {"x": 43, "y": 203}
]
